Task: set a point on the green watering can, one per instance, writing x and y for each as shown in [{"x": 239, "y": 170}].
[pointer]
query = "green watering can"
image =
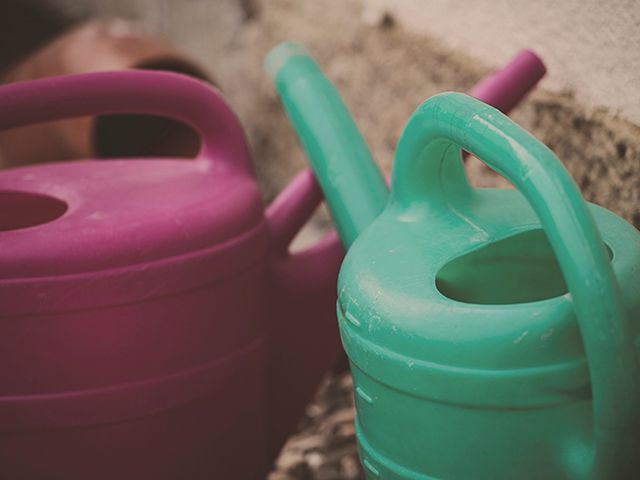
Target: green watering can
[{"x": 492, "y": 333}]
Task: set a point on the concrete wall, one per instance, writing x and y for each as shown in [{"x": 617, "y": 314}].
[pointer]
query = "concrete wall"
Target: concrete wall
[{"x": 592, "y": 47}]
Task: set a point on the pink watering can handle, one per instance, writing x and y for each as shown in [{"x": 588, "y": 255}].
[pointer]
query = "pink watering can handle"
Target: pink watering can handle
[{"x": 165, "y": 94}]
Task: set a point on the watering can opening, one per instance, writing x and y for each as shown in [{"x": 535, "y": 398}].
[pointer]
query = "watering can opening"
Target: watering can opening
[
  {"x": 521, "y": 268},
  {"x": 27, "y": 209}
]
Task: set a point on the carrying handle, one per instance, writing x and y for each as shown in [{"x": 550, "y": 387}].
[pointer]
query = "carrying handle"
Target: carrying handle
[
  {"x": 164, "y": 94},
  {"x": 428, "y": 170}
]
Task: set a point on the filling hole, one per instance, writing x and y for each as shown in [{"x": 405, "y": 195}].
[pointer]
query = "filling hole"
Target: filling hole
[
  {"x": 518, "y": 269},
  {"x": 24, "y": 209}
]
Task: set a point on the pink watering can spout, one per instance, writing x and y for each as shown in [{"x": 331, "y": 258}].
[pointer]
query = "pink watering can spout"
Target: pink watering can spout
[
  {"x": 505, "y": 88},
  {"x": 303, "y": 302}
]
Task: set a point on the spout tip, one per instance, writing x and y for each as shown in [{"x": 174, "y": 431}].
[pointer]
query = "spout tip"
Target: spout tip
[
  {"x": 278, "y": 57},
  {"x": 506, "y": 87},
  {"x": 529, "y": 60}
]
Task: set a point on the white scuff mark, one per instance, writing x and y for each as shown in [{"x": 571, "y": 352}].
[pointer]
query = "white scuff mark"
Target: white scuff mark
[
  {"x": 521, "y": 337},
  {"x": 547, "y": 335},
  {"x": 374, "y": 322}
]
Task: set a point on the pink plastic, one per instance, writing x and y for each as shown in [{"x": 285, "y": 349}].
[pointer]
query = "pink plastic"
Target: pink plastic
[
  {"x": 155, "y": 327},
  {"x": 507, "y": 86}
]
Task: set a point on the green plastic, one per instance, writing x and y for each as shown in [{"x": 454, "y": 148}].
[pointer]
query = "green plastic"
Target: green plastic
[
  {"x": 331, "y": 139},
  {"x": 487, "y": 330}
]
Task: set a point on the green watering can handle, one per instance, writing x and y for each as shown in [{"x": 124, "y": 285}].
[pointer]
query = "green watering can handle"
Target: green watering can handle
[{"x": 428, "y": 173}]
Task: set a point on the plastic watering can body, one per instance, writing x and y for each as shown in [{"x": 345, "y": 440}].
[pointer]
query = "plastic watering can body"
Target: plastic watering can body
[
  {"x": 142, "y": 299},
  {"x": 492, "y": 334},
  {"x": 465, "y": 343},
  {"x": 478, "y": 322}
]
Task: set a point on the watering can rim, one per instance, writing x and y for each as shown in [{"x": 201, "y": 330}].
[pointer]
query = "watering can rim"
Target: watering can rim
[{"x": 547, "y": 364}]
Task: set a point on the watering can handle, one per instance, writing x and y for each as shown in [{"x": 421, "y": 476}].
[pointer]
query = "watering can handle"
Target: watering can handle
[
  {"x": 428, "y": 170},
  {"x": 166, "y": 94}
]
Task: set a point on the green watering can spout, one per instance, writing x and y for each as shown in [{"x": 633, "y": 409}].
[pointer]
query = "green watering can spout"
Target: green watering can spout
[{"x": 354, "y": 188}]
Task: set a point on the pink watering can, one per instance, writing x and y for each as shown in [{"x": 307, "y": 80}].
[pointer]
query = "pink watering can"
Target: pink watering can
[{"x": 153, "y": 323}]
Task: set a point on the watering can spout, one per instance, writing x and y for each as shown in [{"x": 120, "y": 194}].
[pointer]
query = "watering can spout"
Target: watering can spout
[
  {"x": 354, "y": 188},
  {"x": 505, "y": 88}
]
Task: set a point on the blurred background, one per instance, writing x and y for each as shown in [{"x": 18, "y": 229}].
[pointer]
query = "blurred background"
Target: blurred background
[{"x": 386, "y": 57}]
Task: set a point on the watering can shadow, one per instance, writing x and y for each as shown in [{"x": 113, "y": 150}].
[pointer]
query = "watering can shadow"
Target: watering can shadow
[
  {"x": 154, "y": 321},
  {"x": 491, "y": 333}
]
